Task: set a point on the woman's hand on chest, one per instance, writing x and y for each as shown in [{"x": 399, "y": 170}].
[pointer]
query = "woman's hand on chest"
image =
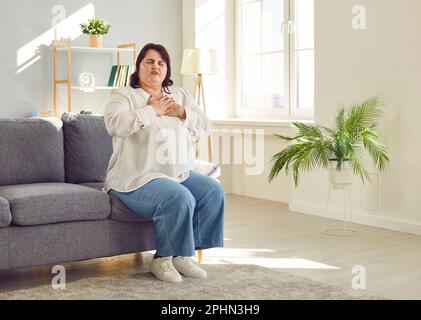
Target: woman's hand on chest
[
  {"x": 166, "y": 105},
  {"x": 176, "y": 110},
  {"x": 162, "y": 104}
]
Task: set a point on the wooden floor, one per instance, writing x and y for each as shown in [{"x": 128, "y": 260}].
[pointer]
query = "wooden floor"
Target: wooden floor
[{"x": 265, "y": 233}]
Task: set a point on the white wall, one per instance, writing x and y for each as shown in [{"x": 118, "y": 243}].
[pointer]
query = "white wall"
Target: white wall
[
  {"x": 25, "y": 22},
  {"x": 245, "y": 179},
  {"x": 352, "y": 65},
  {"x": 384, "y": 59}
]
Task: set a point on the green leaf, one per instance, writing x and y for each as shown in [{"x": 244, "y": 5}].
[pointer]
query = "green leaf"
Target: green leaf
[{"x": 95, "y": 26}]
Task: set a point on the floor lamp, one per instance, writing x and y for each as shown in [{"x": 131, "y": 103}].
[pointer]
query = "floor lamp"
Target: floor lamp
[{"x": 199, "y": 62}]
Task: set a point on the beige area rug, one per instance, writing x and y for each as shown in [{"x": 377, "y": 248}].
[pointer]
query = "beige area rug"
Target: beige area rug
[{"x": 224, "y": 282}]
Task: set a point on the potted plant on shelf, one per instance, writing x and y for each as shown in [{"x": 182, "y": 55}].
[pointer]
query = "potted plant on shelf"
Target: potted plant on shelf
[
  {"x": 341, "y": 149},
  {"x": 95, "y": 29}
]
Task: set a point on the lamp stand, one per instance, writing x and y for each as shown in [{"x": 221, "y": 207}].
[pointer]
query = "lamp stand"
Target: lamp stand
[{"x": 200, "y": 93}]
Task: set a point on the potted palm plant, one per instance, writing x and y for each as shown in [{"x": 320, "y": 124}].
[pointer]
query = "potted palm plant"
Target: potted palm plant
[
  {"x": 95, "y": 29},
  {"x": 341, "y": 149}
]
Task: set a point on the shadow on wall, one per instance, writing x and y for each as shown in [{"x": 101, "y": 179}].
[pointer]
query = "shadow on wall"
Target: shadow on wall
[
  {"x": 62, "y": 28},
  {"x": 27, "y": 82}
]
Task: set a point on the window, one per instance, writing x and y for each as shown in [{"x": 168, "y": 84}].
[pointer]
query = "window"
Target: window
[{"x": 275, "y": 54}]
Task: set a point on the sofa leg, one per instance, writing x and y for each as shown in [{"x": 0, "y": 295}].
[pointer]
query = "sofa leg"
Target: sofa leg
[{"x": 200, "y": 256}]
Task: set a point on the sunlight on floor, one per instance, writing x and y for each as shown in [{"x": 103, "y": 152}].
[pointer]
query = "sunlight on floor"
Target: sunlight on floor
[
  {"x": 282, "y": 263},
  {"x": 235, "y": 252},
  {"x": 258, "y": 257}
]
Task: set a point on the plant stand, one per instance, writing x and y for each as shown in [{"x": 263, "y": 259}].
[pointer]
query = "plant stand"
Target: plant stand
[{"x": 346, "y": 229}]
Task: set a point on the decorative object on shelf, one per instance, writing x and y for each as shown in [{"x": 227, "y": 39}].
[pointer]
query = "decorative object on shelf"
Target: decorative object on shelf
[
  {"x": 120, "y": 75},
  {"x": 42, "y": 113},
  {"x": 199, "y": 62},
  {"x": 95, "y": 29},
  {"x": 87, "y": 82},
  {"x": 341, "y": 150},
  {"x": 66, "y": 47},
  {"x": 61, "y": 42}
]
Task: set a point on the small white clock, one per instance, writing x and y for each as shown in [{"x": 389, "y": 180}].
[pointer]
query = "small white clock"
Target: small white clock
[{"x": 86, "y": 80}]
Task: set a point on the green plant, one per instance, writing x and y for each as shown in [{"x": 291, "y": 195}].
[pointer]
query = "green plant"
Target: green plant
[
  {"x": 353, "y": 136},
  {"x": 95, "y": 26}
]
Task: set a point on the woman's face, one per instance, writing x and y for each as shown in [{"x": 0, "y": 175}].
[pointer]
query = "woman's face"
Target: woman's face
[{"x": 153, "y": 69}]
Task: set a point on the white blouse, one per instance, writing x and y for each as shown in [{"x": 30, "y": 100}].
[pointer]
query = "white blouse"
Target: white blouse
[{"x": 146, "y": 146}]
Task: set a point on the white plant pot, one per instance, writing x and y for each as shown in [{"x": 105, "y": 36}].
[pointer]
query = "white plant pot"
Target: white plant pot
[{"x": 340, "y": 178}]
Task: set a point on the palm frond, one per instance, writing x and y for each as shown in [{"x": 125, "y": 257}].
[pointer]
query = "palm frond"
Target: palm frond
[
  {"x": 340, "y": 120},
  {"x": 308, "y": 130},
  {"x": 286, "y": 138},
  {"x": 338, "y": 134},
  {"x": 363, "y": 115},
  {"x": 355, "y": 159},
  {"x": 303, "y": 155},
  {"x": 375, "y": 148},
  {"x": 281, "y": 161},
  {"x": 328, "y": 130},
  {"x": 354, "y": 133}
]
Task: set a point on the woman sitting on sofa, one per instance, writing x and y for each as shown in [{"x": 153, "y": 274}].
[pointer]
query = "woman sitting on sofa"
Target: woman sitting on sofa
[{"x": 152, "y": 123}]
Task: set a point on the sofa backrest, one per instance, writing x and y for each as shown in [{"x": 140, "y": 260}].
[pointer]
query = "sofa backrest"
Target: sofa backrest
[
  {"x": 31, "y": 151},
  {"x": 87, "y": 147}
]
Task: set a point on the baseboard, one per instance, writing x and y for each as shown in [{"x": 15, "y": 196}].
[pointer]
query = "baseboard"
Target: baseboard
[{"x": 359, "y": 218}]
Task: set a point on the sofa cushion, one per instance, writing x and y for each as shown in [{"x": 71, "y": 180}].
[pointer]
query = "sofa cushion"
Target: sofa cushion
[
  {"x": 119, "y": 211},
  {"x": 5, "y": 215},
  {"x": 87, "y": 147},
  {"x": 5, "y": 248},
  {"x": 96, "y": 185},
  {"x": 43, "y": 203},
  {"x": 31, "y": 151}
]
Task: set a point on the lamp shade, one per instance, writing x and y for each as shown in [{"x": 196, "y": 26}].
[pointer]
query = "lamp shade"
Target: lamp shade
[{"x": 199, "y": 61}]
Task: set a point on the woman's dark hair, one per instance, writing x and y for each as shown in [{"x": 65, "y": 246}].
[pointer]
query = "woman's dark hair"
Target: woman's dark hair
[{"x": 134, "y": 78}]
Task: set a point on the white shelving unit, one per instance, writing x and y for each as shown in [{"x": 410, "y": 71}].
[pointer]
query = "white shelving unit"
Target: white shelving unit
[
  {"x": 69, "y": 49},
  {"x": 95, "y": 88},
  {"x": 97, "y": 50}
]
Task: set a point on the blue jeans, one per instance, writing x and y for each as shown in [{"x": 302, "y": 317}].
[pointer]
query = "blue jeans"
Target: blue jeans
[{"x": 186, "y": 216}]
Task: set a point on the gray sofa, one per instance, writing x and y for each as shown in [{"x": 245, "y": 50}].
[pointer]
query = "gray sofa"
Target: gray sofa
[{"x": 52, "y": 209}]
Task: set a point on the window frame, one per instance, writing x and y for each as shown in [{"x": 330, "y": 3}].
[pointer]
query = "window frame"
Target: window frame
[{"x": 290, "y": 110}]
